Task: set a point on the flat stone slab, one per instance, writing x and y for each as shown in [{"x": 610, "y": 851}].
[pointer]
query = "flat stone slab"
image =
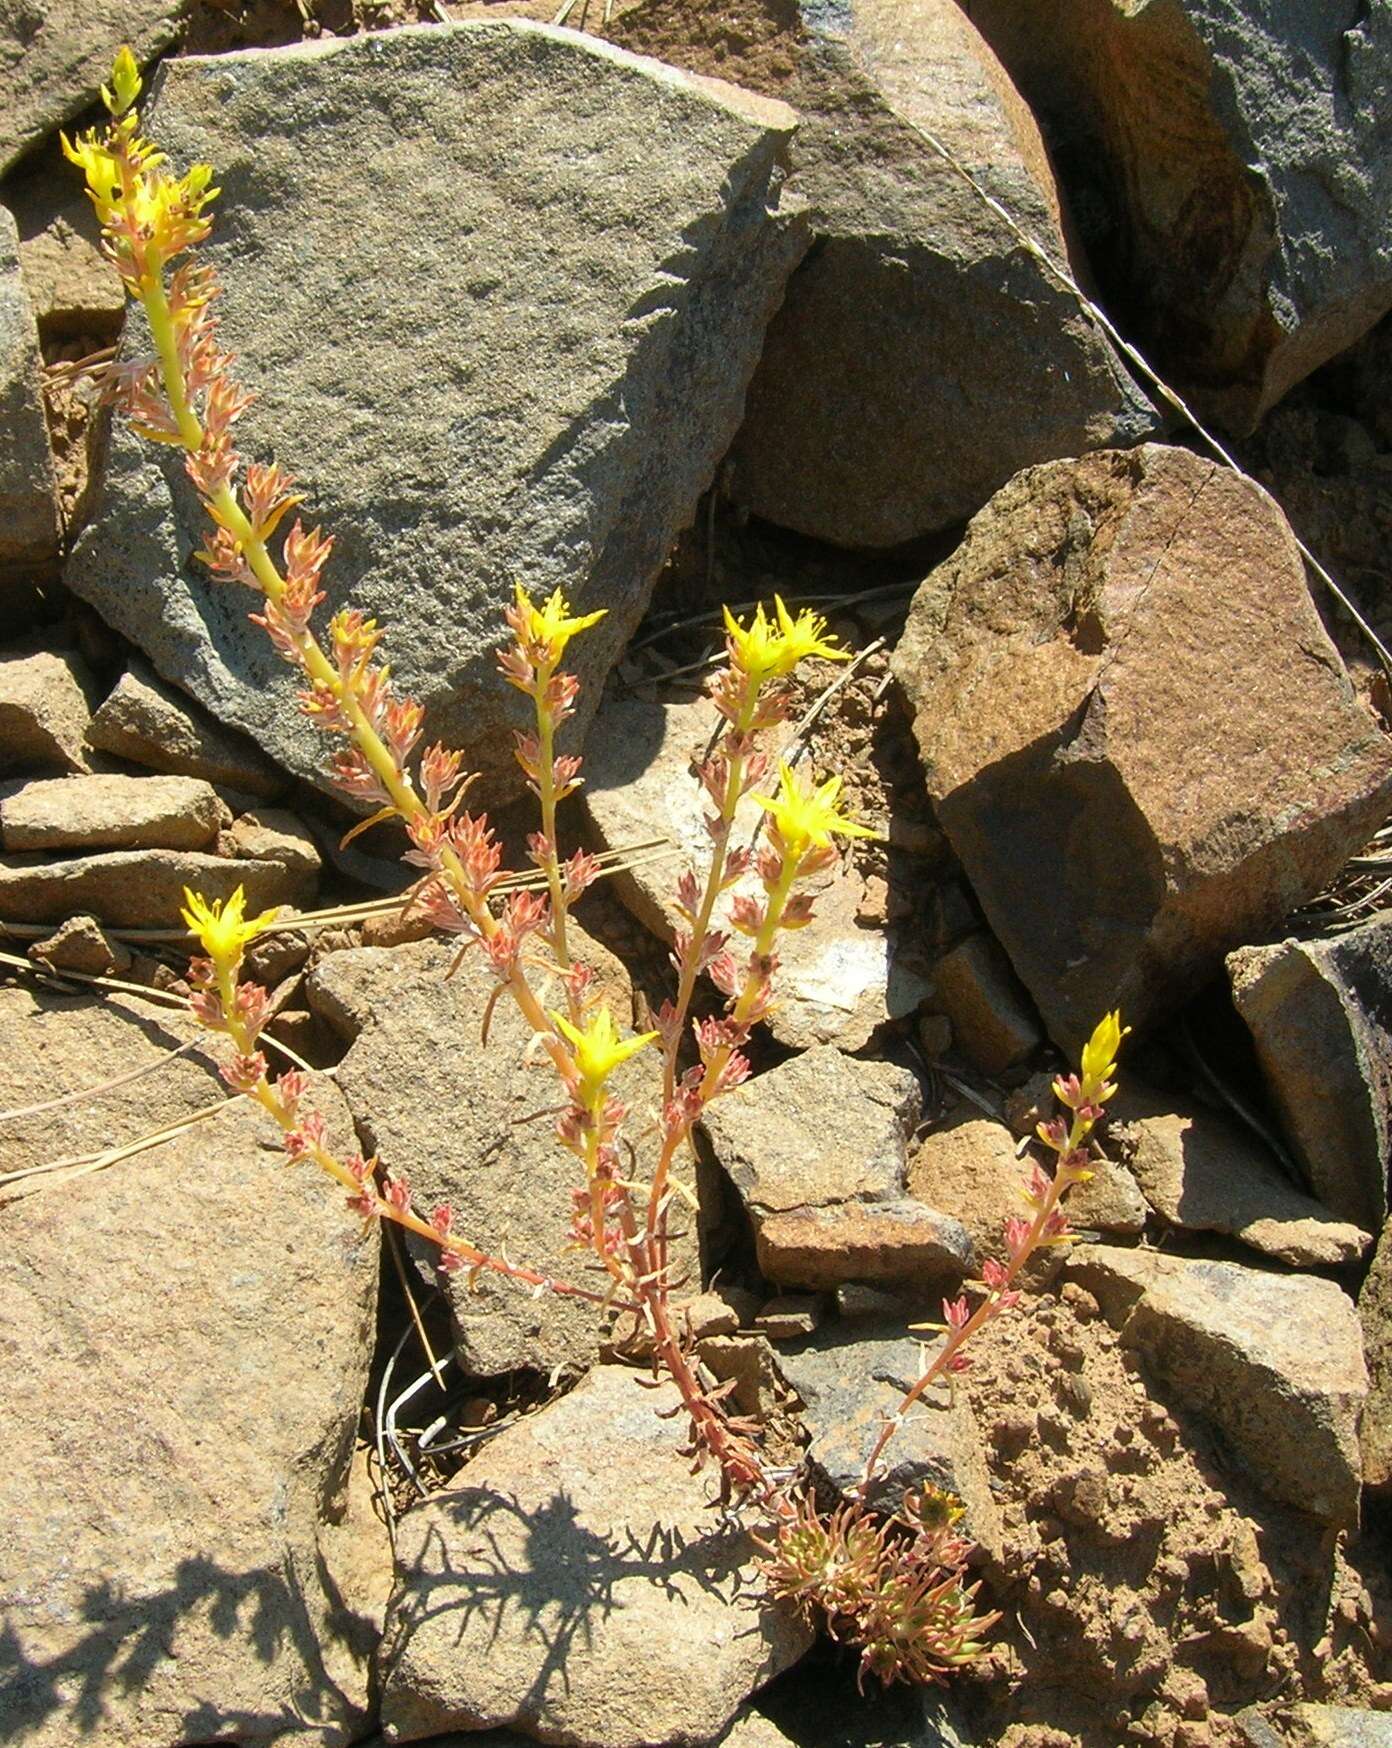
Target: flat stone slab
[
  {"x": 44, "y": 711},
  {"x": 112, "y": 812},
  {"x": 542, "y": 264},
  {"x": 151, "y": 724}
]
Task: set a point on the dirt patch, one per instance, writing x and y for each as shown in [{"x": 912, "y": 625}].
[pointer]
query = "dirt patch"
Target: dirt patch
[{"x": 216, "y": 26}]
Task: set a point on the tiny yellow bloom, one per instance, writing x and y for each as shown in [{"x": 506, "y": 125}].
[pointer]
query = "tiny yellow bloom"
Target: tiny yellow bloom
[
  {"x": 768, "y": 649},
  {"x": 809, "y": 817},
  {"x": 550, "y": 624},
  {"x": 597, "y": 1051},
  {"x": 125, "y": 83},
  {"x": 1099, "y": 1053},
  {"x": 224, "y": 929}
]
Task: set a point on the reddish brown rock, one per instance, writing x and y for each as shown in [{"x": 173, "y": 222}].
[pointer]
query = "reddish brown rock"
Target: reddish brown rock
[
  {"x": 43, "y": 711},
  {"x": 112, "y": 812},
  {"x": 1375, "y": 1317},
  {"x": 1141, "y": 742}
]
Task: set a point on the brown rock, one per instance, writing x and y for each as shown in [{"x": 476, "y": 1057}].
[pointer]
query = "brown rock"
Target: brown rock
[
  {"x": 1275, "y": 1360},
  {"x": 214, "y": 1515},
  {"x": 1200, "y": 1172},
  {"x": 81, "y": 944},
  {"x": 73, "y": 289},
  {"x": 1129, "y": 801},
  {"x": 43, "y": 711},
  {"x": 1320, "y": 1015},
  {"x": 271, "y": 834},
  {"x": 560, "y": 1586},
  {"x": 1375, "y": 1316},
  {"x": 990, "y": 1014},
  {"x": 110, "y": 812},
  {"x": 151, "y": 724},
  {"x": 28, "y": 504},
  {"x": 136, "y": 888}
]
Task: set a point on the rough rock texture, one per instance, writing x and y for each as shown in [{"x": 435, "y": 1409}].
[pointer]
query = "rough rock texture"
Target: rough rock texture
[
  {"x": 28, "y": 506},
  {"x": 55, "y": 55},
  {"x": 816, "y": 1148},
  {"x": 1129, "y": 801},
  {"x": 990, "y": 1014},
  {"x": 838, "y": 980},
  {"x": 561, "y": 356},
  {"x": 459, "y": 1119},
  {"x": 73, "y": 289},
  {"x": 1316, "y": 1726},
  {"x": 1201, "y": 1172},
  {"x": 1276, "y": 1362},
  {"x": 132, "y": 888},
  {"x": 112, "y": 812},
  {"x": 848, "y": 1379},
  {"x": 1233, "y": 159},
  {"x": 81, "y": 944},
  {"x": 1320, "y": 1015},
  {"x": 562, "y": 1584},
  {"x": 149, "y": 723},
  {"x": 921, "y": 357},
  {"x": 185, "y": 1410},
  {"x": 1375, "y": 1316},
  {"x": 43, "y": 711}
]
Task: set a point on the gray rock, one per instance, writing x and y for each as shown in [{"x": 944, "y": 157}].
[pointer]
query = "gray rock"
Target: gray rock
[
  {"x": 136, "y": 888},
  {"x": 560, "y": 1586},
  {"x": 43, "y": 711},
  {"x": 816, "y": 1148},
  {"x": 921, "y": 356},
  {"x": 1275, "y": 1361},
  {"x": 838, "y": 981},
  {"x": 184, "y": 1347},
  {"x": 1316, "y": 1726},
  {"x": 460, "y": 1120},
  {"x": 56, "y": 54},
  {"x": 1320, "y": 1015},
  {"x": 992, "y": 1018},
  {"x": 1202, "y": 1173},
  {"x": 149, "y": 723},
  {"x": 28, "y": 503},
  {"x": 561, "y": 356},
  {"x": 1128, "y": 803},
  {"x": 111, "y": 812},
  {"x": 848, "y": 1382},
  {"x": 1234, "y": 159},
  {"x": 73, "y": 289},
  {"x": 1375, "y": 1317}
]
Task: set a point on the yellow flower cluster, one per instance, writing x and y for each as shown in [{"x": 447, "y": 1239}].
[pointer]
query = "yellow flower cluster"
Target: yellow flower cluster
[
  {"x": 596, "y": 1051},
  {"x": 770, "y": 649},
  {"x": 809, "y": 818},
  {"x": 549, "y": 628},
  {"x": 224, "y": 930}
]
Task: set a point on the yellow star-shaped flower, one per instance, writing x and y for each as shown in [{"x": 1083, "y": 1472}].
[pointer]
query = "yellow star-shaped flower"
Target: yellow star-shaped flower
[
  {"x": 1099, "y": 1057},
  {"x": 551, "y": 626},
  {"x": 224, "y": 929},
  {"x": 597, "y": 1050},
  {"x": 808, "y": 818},
  {"x": 768, "y": 648}
]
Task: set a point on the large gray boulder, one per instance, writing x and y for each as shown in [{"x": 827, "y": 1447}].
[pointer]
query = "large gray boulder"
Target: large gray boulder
[
  {"x": 186, "y": 1551},
  {"x": 1234, "y": 158},
  {"x": 500, "y": 290}
]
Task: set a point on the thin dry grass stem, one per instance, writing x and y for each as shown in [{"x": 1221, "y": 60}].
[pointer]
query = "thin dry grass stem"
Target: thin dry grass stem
[{"x": 80, "y": 1165}]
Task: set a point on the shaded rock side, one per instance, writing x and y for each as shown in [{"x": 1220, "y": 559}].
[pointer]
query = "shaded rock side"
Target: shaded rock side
[
  {"x": 56, "y": 54},
  {"x": 543, "y": 265},
  {"x": 1375, "y": 1316},
  {"x": 44, "y": 711},
  {"x": 185, "y": 1346},
  {"x": 28, "y": 504},
  {"x": 1233, "y": 159},
  {"x": 838, "y": 980},
  {"x": 1142, "y": 744},
  {"x": 1274, "y": 1361},
  {"x": 921, "y": 356},
  {"x": 562, "y": 1586},
  {"x": 816, "y": 1148},
  {"x": 466, "y": 1123},
  {"x": 1320, "y": 1015}
]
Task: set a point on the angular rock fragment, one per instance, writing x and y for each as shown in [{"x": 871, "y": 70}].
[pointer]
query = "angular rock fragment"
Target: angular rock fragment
[
  {"x": 184, "y": 1343},
  {"x": 112, "y": 812},
  {"x": 473, "y": 1124},
  {"x": 1320, "y": 1015},
  {"x": 1128, "y": 801},
  {"x": 81, "y": 944},
  {"x": 1375, "y": 1316},
  {"x": 28, "y": 504},
  {"x": 538, "y": 433},
  {"x": 990, "y": 1014},
  {"x": 560, "y": 1586},
  {"x": 816, "y": 1148},
  {"x": 151, "y": 724},
  {"x": 43, "y": 711},
  {"x": 54, "y": 58},
  {"x": 1275, "y": 1361},
  {"x": 838, "y": 981},
  {"x": 73, "y": 289},
  {"x": 921, "y": 356},
  {"x": 1233, "y": 160},
  {"x": 1200, "y": 1172}
]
